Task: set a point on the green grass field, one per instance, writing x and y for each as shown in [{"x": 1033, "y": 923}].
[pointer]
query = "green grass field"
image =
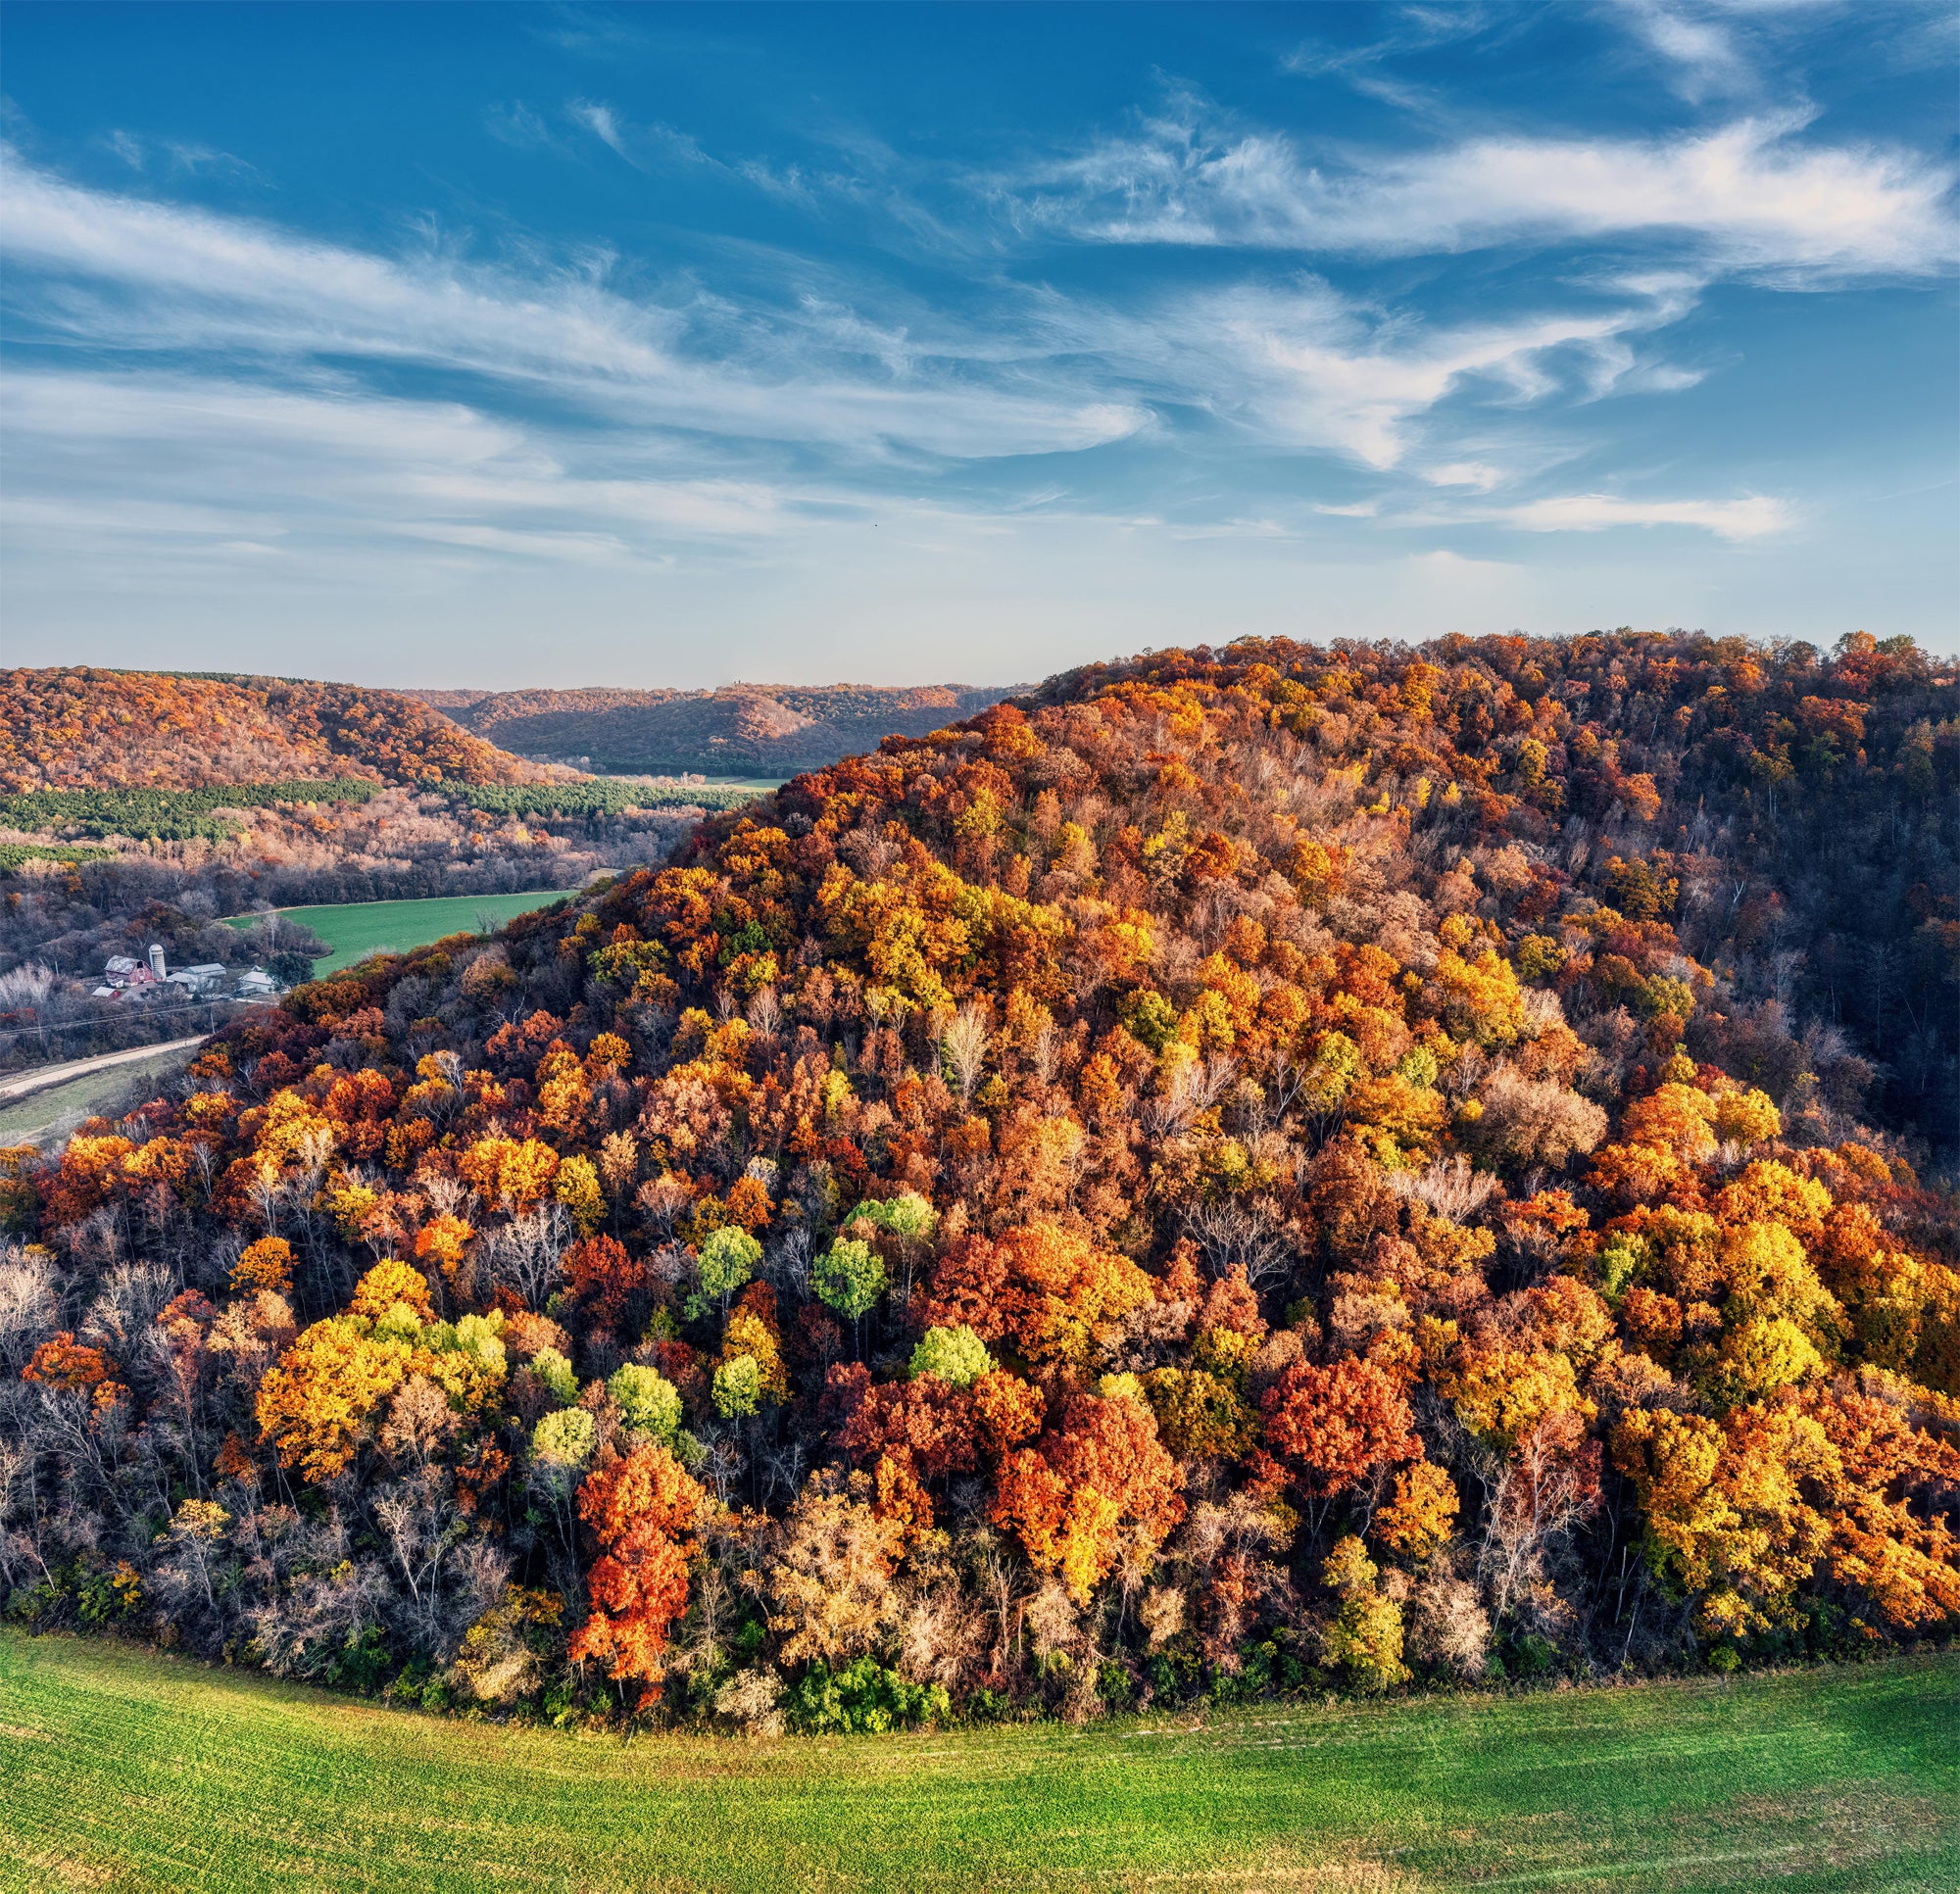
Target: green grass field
[
  {"x": 355, "y": 928},
  {"x": 121, "y": 1771}
]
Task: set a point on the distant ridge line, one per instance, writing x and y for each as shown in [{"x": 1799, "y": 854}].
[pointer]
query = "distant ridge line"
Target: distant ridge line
[{"x": 773, "y": 729}]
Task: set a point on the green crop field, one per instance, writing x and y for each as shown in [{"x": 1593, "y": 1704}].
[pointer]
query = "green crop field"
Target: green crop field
[
  {"x": 122, "y": 1770},
  {"x": 355, "y": 928}
]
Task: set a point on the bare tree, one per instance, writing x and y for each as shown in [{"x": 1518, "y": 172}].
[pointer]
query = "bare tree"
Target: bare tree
[
  {"x": 1234, "y": 1234},
  {"x": 963, "y": 1048},
  {"x": 1537, "y": 1497},
  {"x": 524, "y": 1253},
  {"x": 1449, "y": 1187},
  {"x": 1194, "y": 1087}
]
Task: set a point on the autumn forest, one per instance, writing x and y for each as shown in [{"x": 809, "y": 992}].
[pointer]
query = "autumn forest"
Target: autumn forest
[{"x": 1247, "y": 1170}]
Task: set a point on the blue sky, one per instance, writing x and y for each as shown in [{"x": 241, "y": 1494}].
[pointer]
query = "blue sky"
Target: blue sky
[{"x": 524, "y": 345}]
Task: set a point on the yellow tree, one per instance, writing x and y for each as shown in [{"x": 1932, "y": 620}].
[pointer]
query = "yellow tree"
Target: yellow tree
[{"x": 316, "y": 1405}]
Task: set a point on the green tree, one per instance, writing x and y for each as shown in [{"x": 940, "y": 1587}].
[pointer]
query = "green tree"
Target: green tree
[
  {"x": 850, "y": 1276},
  {"x": 956, "y": 1355},
  {"x": 1366, "y": 1636},
  {"x": 908, "y": 1216},
  {"x": 729, "y": 1259},
  {"x": 552, "y": 1368},
  {"x": 646, "y": 1397},
  {"x": 565, "y": 1439},
  {"x": 738, "y": 1387}
]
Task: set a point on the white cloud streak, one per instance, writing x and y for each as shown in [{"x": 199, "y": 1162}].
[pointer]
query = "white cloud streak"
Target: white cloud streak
[
  {"x": 514, "y": 124},
  {"x": 1750, "y": 197},
  {"x": 1703, "y": 51},
  {"x": 1753, "y": 516},
  {"x": 604, "y": 124},
  {"x": 1300, "y": 366},
  {"x": 144, "y": 277},
  {"x": 322, "y": 465}
]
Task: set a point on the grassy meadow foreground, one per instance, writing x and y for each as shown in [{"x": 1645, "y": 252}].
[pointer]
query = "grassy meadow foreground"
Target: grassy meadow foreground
[{"x": 123, "y": 1770}]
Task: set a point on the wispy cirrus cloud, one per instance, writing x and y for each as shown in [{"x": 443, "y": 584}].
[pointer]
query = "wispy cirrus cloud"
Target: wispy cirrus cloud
[
  {"x": 1701, "y": 50},
  {"x": 652, "y": 144},
  {"x": 1299, "y": 364},
  {"x": 1368, "y": 67},
  {"x": 521, "y": 126},
  {"x": 604, "y": 125},
  {"x": 315, "y": 466},
  {"x": 590, "y": 32},
  {"x": 175, "y": 158},
  {"x": 1733, "y": 49},
  {"x": 142, "y": 277},
  {"x": 1741, "y": 517},
  {"x": 1748, "y": 197}
]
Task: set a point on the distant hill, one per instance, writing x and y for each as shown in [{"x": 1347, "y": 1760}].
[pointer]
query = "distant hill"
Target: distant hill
[
  {"x": 86, "y": 728},
  {"x": 739, "y": 730}
]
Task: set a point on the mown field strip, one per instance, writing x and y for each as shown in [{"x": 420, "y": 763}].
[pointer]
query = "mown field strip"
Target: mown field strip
[{"x": 124, "y": 1770}]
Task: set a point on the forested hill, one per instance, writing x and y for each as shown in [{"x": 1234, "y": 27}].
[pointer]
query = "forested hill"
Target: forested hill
[
  {"x": 1792, "y": 815},
  {"x": 86, "y": 728},
  {"x": 741, "y": 729},
  {"x": 1256, "y": 1169}
]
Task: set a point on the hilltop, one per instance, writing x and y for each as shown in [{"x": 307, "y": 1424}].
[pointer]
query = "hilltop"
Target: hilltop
[
  {"x": 90, "y": 729},
  {"x": 738, "y": 730}
]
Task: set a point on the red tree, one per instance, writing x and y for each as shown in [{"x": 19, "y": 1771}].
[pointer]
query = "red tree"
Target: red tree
[
  {"x": 643, "y": 1510},
  {"x": 1068, "y": 1496},
  {"x": 926, "y": 1422},
  {"x": 1336, "y": 1428},
  {"x": 602, "y": 1278}
]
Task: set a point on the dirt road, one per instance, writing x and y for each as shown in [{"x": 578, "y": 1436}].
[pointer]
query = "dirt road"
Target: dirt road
[{"x": 18, "y": 1084}]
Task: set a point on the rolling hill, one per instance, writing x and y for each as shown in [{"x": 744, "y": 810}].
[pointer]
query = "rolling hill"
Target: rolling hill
[
  {"x": 90, "y": 729},
  {"x": 740, "y": 729}
]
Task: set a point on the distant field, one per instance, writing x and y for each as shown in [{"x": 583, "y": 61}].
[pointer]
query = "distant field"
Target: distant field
[
  {"x": 355, "y": 928},
  {"x": 607, "y": 796},
  {"x": 126, "y": 1772}
]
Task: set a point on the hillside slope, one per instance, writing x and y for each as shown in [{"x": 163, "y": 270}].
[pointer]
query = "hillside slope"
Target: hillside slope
[
  {"x": 1260, "y": 1169},
  {"x": 86, "y": 728},
  {"x": 741, "y": 729}
]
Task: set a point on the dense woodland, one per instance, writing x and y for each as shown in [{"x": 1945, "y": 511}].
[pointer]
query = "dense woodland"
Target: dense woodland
[
  {"x": 762, "y": 730},
  {"x": 1247, "y": 1170},
  {"x": 94, "y": 729}
]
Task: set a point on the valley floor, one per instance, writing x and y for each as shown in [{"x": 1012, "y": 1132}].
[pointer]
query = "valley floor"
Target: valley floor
[{"x": 122, "y": 1770}]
